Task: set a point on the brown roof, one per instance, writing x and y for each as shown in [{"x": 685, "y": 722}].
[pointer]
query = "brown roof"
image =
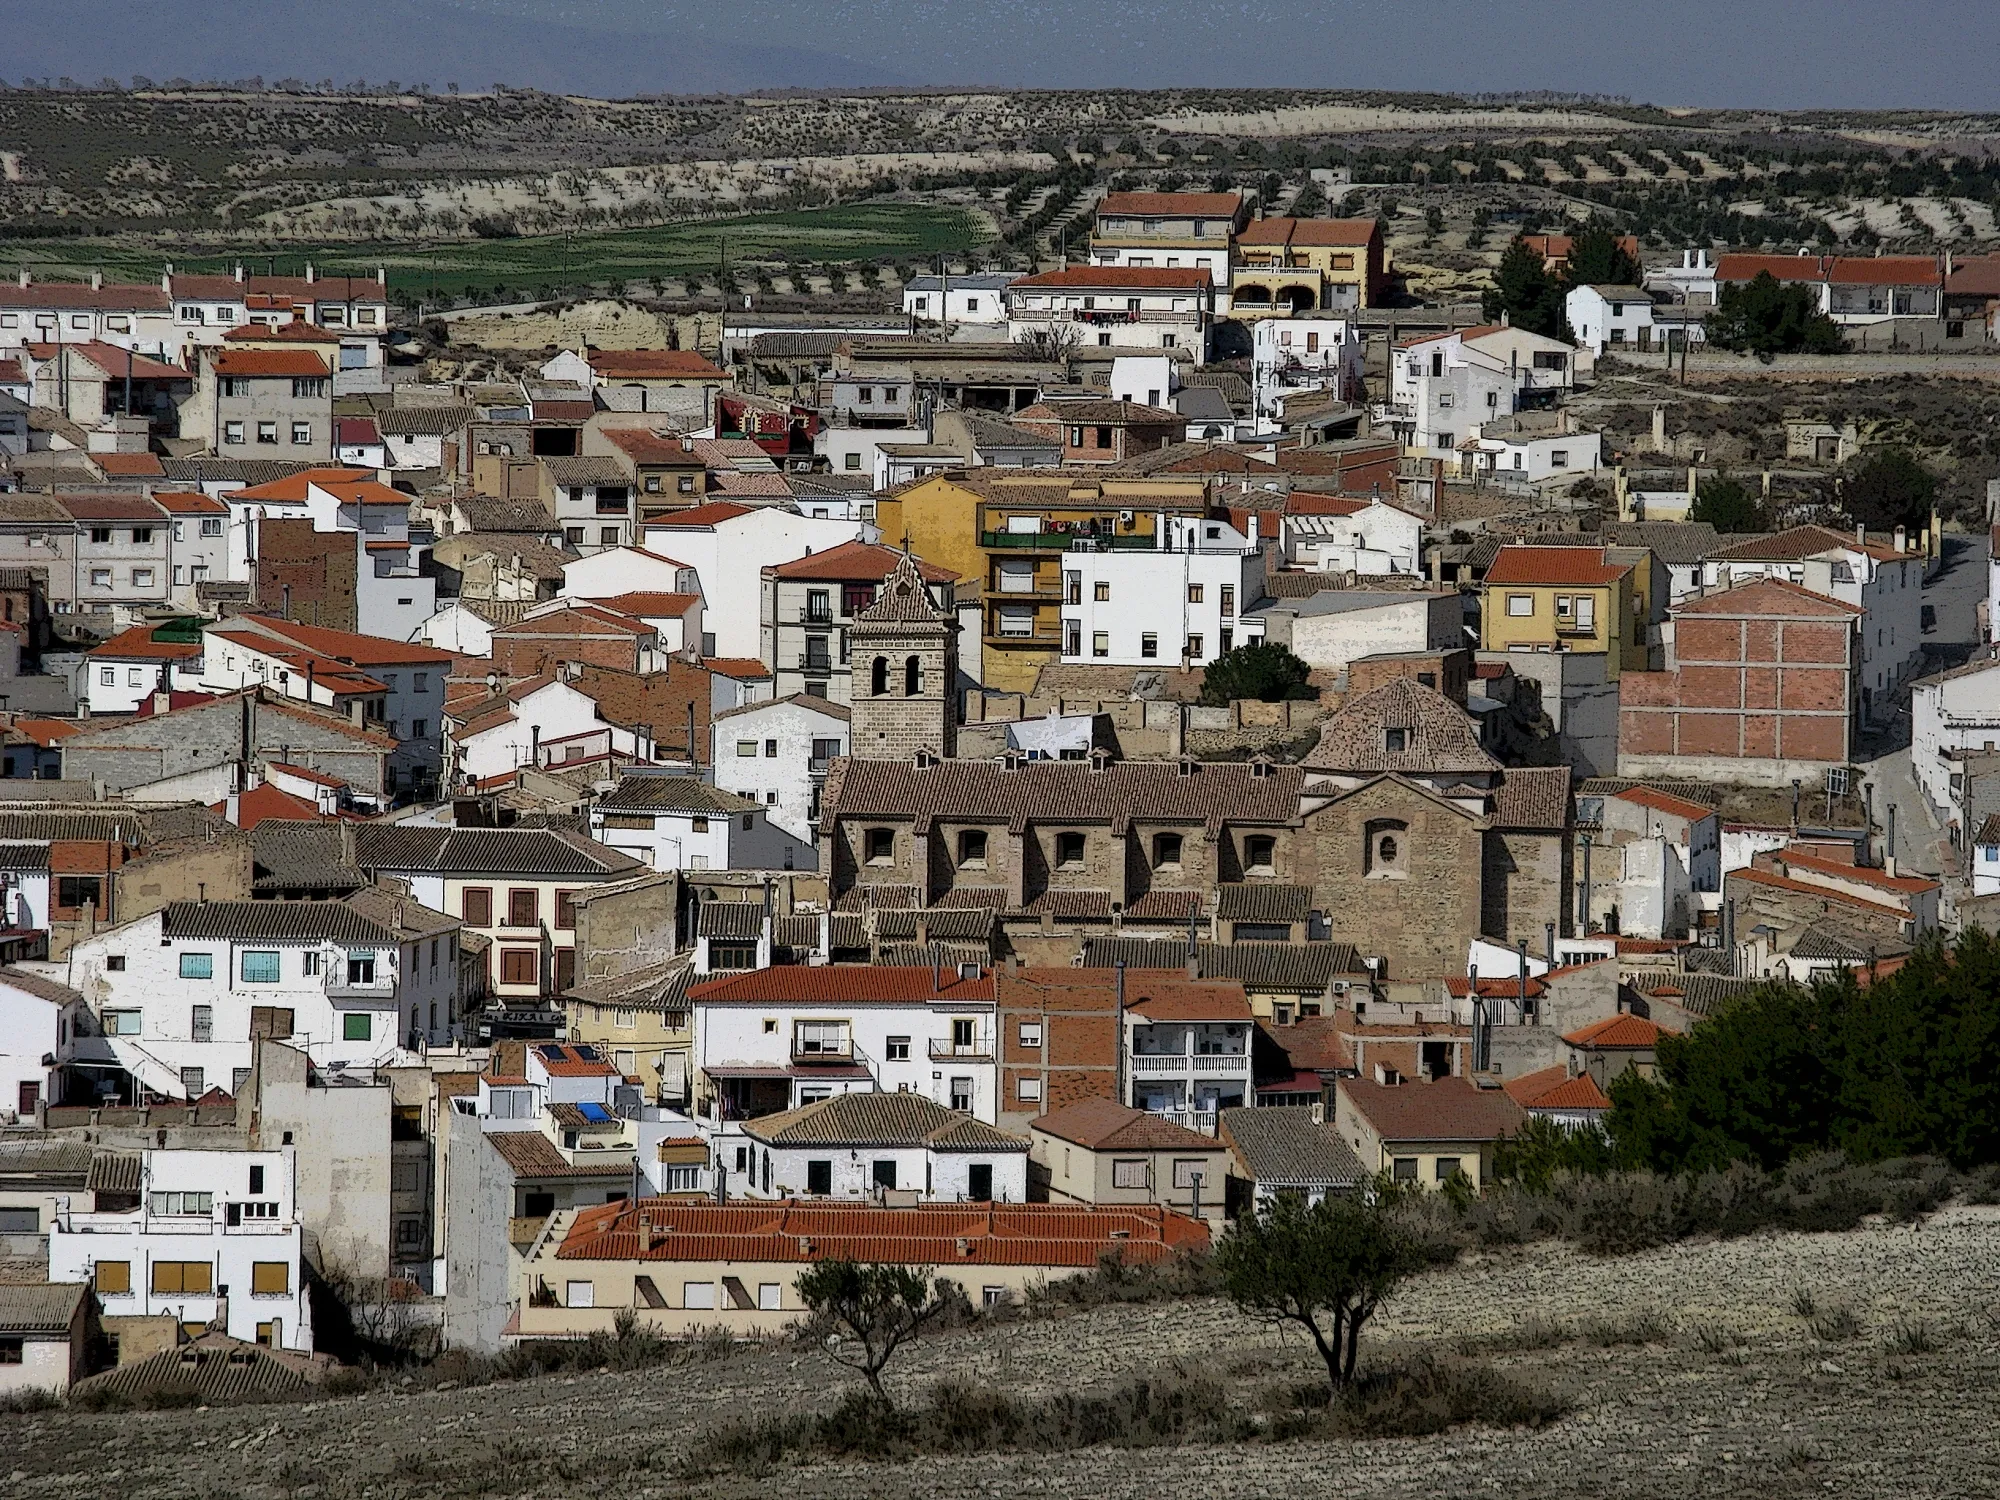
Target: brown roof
[
  {"x": 1210, "y": 792},
  {"x": 875, "y": 1118},
  {"x": 864, "y": 561},
  {"x": 130, "y": 465},
  {"x": 267, "y": 362},
  {"x": 902, "y": 598},
  {"x": 1343, "y": 232},
  {"x": 1554, "y": 1089},
  {"x": 112, "y": 507},
  {"x": 1558, "y": 565},
  {"x": 1799, "y": 542},
  {"x": 1107, "y": 1125},
  {"x": 1450, "y": 1109},
  {"x": 1168, "y": 997},
  {"x": 530, "y": 1154},
  {"x": 1097, "y": 409},
  {"x": 1438, "y": 736},
  {"x": 1121, "y": 278},
  {"x": 1172, "y": 205},
  {"x": 1768, "y": 598},
  {"x": 643, "y": 364},
  {"x": 1534, "y": 797},
  {"x": 296, "y": 332}
]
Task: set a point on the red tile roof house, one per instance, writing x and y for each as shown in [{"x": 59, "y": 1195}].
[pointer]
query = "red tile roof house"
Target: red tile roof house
[
  {"x": 1426, "y": 1132},
  {"x": 1853, "y": 290},
  {"x": 1156, "y": 309},
  {"x": 263, "y": 403},
  {"x": 1759, "y": 688},
  {"x": 684, "y": 1268}
]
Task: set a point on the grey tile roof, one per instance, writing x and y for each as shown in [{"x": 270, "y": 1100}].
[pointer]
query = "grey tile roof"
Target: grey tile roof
[
  {"x": 730, "y": 919},
  {"x": 483, "y": 514},
  {"x": 115, "y": 1172},
  {"x": 530, "y": 1154},
  {"x": 657, "y": 987},
  {"x": 40, "y": 1307},
  {"x": 243, "y": 471},
  {"x": 273, "y": 922},
  {"x": 1243, "y": 901},
  {"x": 24, "y": 856},
  {"x": 1437, "y": 735},
  {"x": 903, "y": 599},
  {"x": 1302, "y": 968},
  {"x": 487, "y": 851},
  {"x": 301, "y": 856},
  {"x": 1533, "y": 797},
  {"x": 586, "y": 470},
  {"x": 423, "y": 421},
  {"x": 214, "y": 1367},
  {"x": 1676, "y": 543},
  {"x": 1283, "y": 1147},
  {"x": 964, "y": 923},
  {"x": 45, "y": 1156},
  {"x": 690, "y": 794},
  {"x": 929, "y": 955},
  {"x": 881, "y": 1119},
  {"x": 410, "y": 919},
  {"x": 29, "y": 982}
]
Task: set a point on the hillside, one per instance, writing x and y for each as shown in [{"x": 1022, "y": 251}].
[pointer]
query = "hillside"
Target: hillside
[{"x": 1690, "y": 1369}]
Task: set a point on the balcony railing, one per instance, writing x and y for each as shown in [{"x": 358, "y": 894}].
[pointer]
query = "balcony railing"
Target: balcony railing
[
  {"x": 979, "y": 1049},
  {"x": 1154, "y": 1064},
  {"x": 822, "y": 1050},
  {"x": 1201, "y": 1121}
]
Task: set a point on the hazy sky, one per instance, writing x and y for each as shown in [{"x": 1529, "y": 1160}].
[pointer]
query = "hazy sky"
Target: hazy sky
[{"x": 1791, "y": 53}]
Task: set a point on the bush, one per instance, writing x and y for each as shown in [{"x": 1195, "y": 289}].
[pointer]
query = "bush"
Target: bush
[
  {"x": 1115, "y": 1281},
  {"x": 33, "y": 1399},
  {"x": 1264, "y": 670},
  {"x": 1430, "y": 1395}
]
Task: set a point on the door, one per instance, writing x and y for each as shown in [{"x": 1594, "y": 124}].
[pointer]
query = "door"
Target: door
[
  {"x": 30, "y": 1097},
  {"x": 979, "y": 1183}
]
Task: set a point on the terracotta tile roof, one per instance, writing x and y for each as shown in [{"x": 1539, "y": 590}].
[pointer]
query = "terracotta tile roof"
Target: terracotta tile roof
[
  {"x": 1437, "y": 735},
  {"x": 1172, "y": 205},
  {"x": 1107, "y": 1125},
  {"x": 1533, "y": 797},
  {"x": 868, "y": 562},
  {"x": 532, "y": 1156},
  {"x": 130, "y": 465},
  {"x": 802, "y": 984},
  {"x": 697, "y": 516},
  {"x": 1666, "y": 802},
  {"x": 1622, "y": 1031},
  {"x": 360, "y": 650},
  {"x": 1449, "y": 1109},
  {"x": 1166, "y": 906},
  {"x": 268, "y": 801},
  {"x": 874, "y": 1118},
  {"x": 138, "y": 643},
  {"x": 292, "y": 488},
  {"x": 1581, "y": 566},
  {"x": 1801, "y": 542},
  {"x": 801, "y": 700},
  {"x": 1169, "y": 997},
  {"x": 1337, "y": 232},
  {"x": 112, "y": 508},
  {"x": 1553, "y": 1089},
  {"x": 1282, "y": 1146},
  {"x": 1314, "y": 1043},
  {"x": 1768, "y": 598},
  {"x": 564, "y": 1060},
  {"x": 46, "y": 732},
  {"x": 652, "y": 364},
  {"x": 270, "y": 362},
  {"x": 1212, "y": 794},
  {"x": 1859, "y": 874},
  {"x": 931, "y": 1234},
  {"x": 189, "y": 503},
  {"x": 298, "y": 331},
  {"x": 1117, "y": 278},
  {"x": 1824, "y": 892}
]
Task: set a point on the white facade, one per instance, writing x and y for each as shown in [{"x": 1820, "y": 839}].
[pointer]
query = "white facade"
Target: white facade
[
  {"x": 33, "y": 1025},
  {"x": 1371, "y": 537},
  {"x": 977, "y": 298},
  {"x": 1143, "y": 379},
  {"x": 1950, "y": 714},
  {"x": 199, "y": 551},
  {"x": 933, "y": 1175},
  {"x": 863, "y": 1044},
  {"x": 729, "y": 553},
  {"x": 215, "y": 1238},
  {"x": 1443, "y": 388},
  {"x": 1300, "y": 354},
  {"x": 727, "y": 834},
  {"x": 1114, "y": 314},
  {"x": 547, "y": 725},
  {"x": 1179, "y": 606},
  {"x": 858, "y": 450},
  {"x": 778, "y": 755},
  {"x": 1530, "y": 458},
  {"x": 177, "y": 1012},
  {"x": 119, "y": 684},
  {"x": 1330, "y": 630},
  {"x": 1610, "y": 319},
  {"x": 627, "y": 570},
  {"x": 1692, "y": 281},
  {"x": 133, "y": 316},
  {"x": 459, "y": 630}
]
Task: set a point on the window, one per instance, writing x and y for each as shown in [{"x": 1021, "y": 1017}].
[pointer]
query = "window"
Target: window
[
  {"x": 256, "y": 1179},
  {"x": 114, "y": 1278},
  {"x": 881, "y": 846},
  {"x": 1166, "y": 850},
  {"x": 267, "y": 432},
  {"x": 1194, "y": 645},
  {"x": 310, "y": 967},
  {"x": 1076, "y": 437},
  {"x": 746, "y": 749},
  {"x": 522, "y": 908},
  {"x": 698, "y": 1296},
  {"x": 1559, "y": 458},
  {"x": 79, "y": 890},
  {"x": 520, "y": 966},
  {"x": 1447, "y": 1168},
  {"x": 142, "y": 536},
  {"x": 972, "y": 848},
  {"x": 142, "y": 578},
  {"x": 360, "y": 968},
  {"x": 1386, "y": 850},
  {"x": 1130, "y": 1174},
  {"x": 270, "y": 1278},
  {"x": 201, "y": 1024},
  {"x": 1031, "y": 1033},
  {"x": 961, "y": 1100},
  {"x": 1069, "y": 851},
  {"x": 767, "y": 1296},
  {"x": 1186, "y": 1169},
  {"x": 107, "y": 677},
  {"x": 181, "y": 1204},
  {"x": 1259, "y": 850},
  {"x": 1395, "y": 740},
  {"x": 1228, "y": 603},
  {"x": 100, "y": 578},
  {"x": 356, "y": 1026},
  {"x": 698, "y": 825},
  {"x": 260, "y": 968},
  {"x": 624, "y": 1018},
  {"x": 1404, "y": 1169},
  {"x": 121, "y": 1022},
  {"x": 1149, "y": 645},
  {"x": 584, "y": 1293},
  {"x": 819, "y": 1177},
  {"x": 309, "y": 388},
  {"x": 1100, "y": 643},
  {"x": 897, "y": 1049},
  {"x": 1101, "y": 591},
  {"x": 232, "y": 432},
  {"x": 115, "y": 963},
  {"x": 196, "y": 1277},
  {"x": 1028, "y": 1090},
  {"x": 1520, "y": 605},
  {"x": 566, "y": 911}
]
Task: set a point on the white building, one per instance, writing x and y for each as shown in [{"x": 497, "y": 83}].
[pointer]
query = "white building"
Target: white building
[
  {"x": 135, "y": 315},
  {"x": 125, "y": 671},
  {"x": 200, "y": 544},
  {"x": 1188, "y": 1051},
  {"x": 1691, "y": 282},
  {"x": 729, "y": 546},
  {"x": 1951, "y": 713},
  {"x": 977, "y": 298},
  {"x": 870, "y": 1144},
  {"x": 1117, "y": 307},
  {"x": 1530, "y": 446},
  {"x": 774, "y": 1039},
  {"x": 1335, "y": 534},
  {"x": 180, "y": 994},
  {"x": 861, "y": 450},
  {"x": 1610, "y": 318},
  {"x": 778, "y": 754},
  {"x": 1180, "y": 605},
  {"x": 1302, "y": 354},
  {"x": 681, "y": 823},
  {"x": 627, "y": 570},
  {"x": 544, "y": 723},
  {"x": 35, "y": 1016},
  {"x": 215, "y": 1239},
  {"x": 1328, "y": 630},
  {"x": 1885, "y": 580}
]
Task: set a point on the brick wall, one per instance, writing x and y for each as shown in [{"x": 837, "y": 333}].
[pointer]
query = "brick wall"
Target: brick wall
[
  {"x": 317, "y": 569},
  {"x": 661, "y": 699},
  {"x": 1078, "y": 1058},
  {"x": 526, "y": 654}
]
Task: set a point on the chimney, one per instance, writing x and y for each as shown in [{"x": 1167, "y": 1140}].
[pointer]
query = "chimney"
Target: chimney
[
  {"x": 97, "y": 281},
  {"x": 312, "y": 275},
  {"x": 239, "y": 272},
  {"x": 232, "y": 810},
  {"x": 1902, "y": 539},
  {"x": 1659, "y": 429},
  {"x": 1860, "y": 535},
  {"x": 26, "y": 277},
  {"x": 381, "y": 276}
]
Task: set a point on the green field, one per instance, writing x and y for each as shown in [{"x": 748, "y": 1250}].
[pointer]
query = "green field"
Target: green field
[{"x": 532, "y": 266}]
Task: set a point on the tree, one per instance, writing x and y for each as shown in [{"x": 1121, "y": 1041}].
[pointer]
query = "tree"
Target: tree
[
  {"x": 1597, "y": 259},
  {"x": 1309, "y": 201},
  {"x": 1525, "y": 293},
  {"x": 1325, "y": 1268},
  {"x": 1767, "y": 318},
  {"x": 877, "y": 1306},
  {"x": 1726, "y": 505},
  {"x": 1053, "y": 344},
  {"x": 1886, "y": 488},
  {"x": 1264, "y": 670}
]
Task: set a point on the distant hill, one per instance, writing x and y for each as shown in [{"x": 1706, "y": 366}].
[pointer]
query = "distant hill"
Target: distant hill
[{"x": 405, "y": 40}]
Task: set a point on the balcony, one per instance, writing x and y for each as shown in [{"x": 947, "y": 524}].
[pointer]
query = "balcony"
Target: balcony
[
  {"x": 979, "y": 1049},
  {"x": 808, "y": 1047},
  {"x": 809, "y": 663},
  {"x": 377, "y": 984},
  {"x": 1181, "y": 1064}
]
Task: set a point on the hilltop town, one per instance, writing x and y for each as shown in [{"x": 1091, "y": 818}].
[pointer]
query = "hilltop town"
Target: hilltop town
[{"x": 543, "y": 826}]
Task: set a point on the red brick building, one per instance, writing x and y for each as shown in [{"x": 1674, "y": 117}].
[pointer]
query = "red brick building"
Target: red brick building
[
  {"x": 1097, "y": 430},
  {"x": 575, "y": 633},
  {"x": 1760, "y": 688}
]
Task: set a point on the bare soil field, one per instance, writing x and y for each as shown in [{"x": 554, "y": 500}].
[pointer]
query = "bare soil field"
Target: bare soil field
[{"x": 1692, "y": 1371}]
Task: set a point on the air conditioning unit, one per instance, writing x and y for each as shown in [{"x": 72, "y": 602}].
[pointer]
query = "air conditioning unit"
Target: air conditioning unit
[{"x": 1125, "y": 517}]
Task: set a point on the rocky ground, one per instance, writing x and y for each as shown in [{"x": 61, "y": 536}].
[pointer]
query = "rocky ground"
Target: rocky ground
[{"x": 1691, "y": 1372}]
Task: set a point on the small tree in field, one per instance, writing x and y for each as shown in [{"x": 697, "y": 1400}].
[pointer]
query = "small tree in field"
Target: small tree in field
[
  {"x": 877, "y": 1306},
  {"x": 1326, "y": 1268},
  {"x": 1265, "y": 670}
]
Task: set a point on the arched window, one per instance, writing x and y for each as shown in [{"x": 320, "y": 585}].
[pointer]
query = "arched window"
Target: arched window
[
  {"x": 881, "y": 679},
  {"x": 913, "y": 677}
]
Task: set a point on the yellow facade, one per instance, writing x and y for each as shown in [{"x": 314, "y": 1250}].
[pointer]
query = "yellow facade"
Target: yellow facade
[
  {"x": 1590, "y": 618},
  {"x": 638, "y": 1041}
]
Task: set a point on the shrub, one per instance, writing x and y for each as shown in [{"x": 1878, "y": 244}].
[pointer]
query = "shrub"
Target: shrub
[
  {"x": 1115, "y": 1281},
  {"x": 32, "y": 1399},
  {"x": 1434, "y": 1395}
]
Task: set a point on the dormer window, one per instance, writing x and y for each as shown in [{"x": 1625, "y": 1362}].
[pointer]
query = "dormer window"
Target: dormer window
[
  {"x": 1395, "y": 741},
  {"x": 1069, "y": 851}
]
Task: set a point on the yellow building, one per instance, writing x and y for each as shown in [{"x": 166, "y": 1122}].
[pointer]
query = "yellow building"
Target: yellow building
[
  {"x": 640, "y": 1021},
  {"x": 1007, "y": 529},
  {"x": 1289, "y": 267},
  {"x": 1564, "y": 599}
]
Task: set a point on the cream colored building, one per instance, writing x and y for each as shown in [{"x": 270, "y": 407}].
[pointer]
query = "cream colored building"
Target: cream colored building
[
  {"x": 1102, "y": 1152},
  {"x": 1425, "y": 1133}
]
